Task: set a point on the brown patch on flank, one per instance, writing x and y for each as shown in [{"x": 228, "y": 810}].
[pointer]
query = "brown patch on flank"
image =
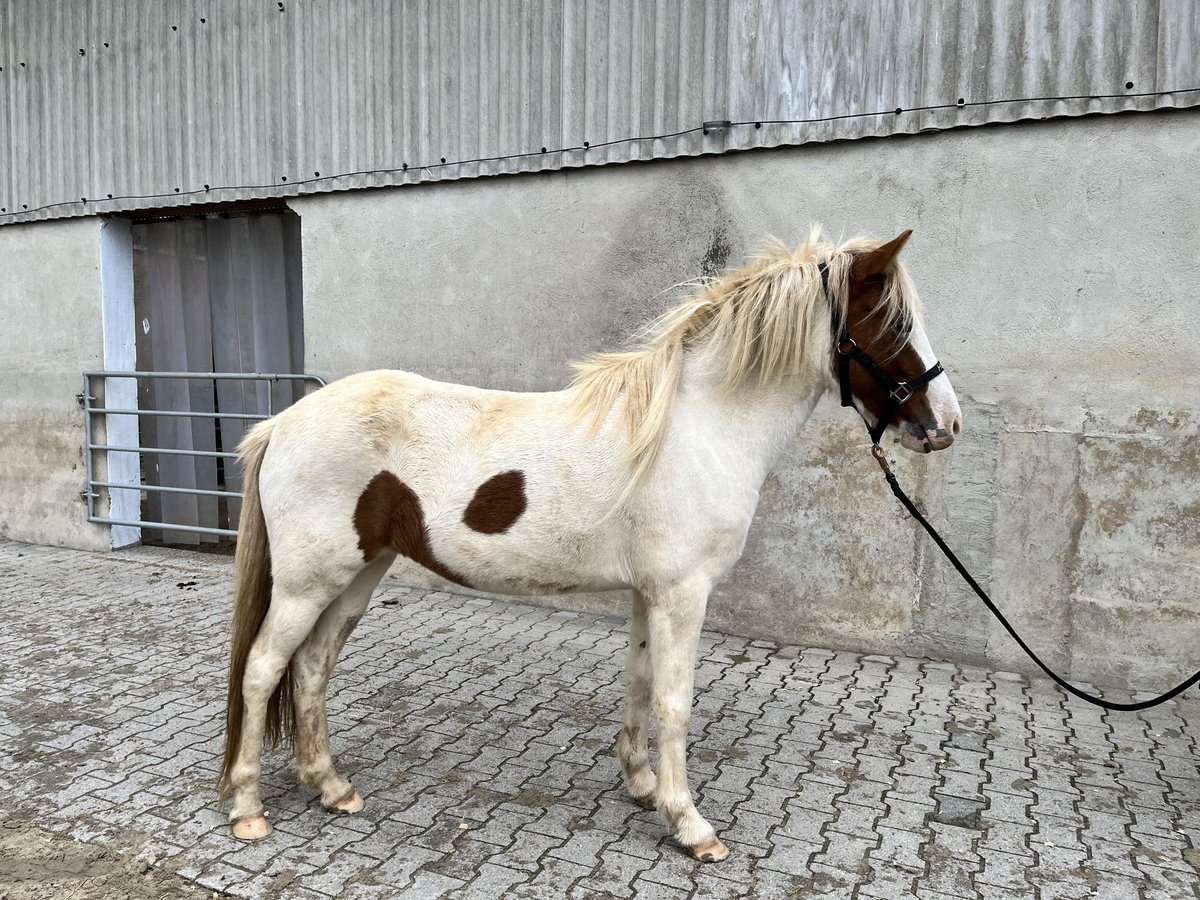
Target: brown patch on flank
[
  {"x": 388, "y": 516},
  {"x": 497, "y": 503}
]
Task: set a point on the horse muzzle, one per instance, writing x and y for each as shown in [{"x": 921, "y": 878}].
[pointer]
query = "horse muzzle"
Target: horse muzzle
[{"x": 926, "y": 440}]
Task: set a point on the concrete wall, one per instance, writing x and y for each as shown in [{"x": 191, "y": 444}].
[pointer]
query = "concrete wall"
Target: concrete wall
[
  {"x": 51, "y": 332},
  {"x": 1059, "y": 265}
]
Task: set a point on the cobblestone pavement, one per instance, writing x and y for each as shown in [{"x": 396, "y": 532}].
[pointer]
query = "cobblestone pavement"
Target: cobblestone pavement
[{"x": 482, "y": 732}]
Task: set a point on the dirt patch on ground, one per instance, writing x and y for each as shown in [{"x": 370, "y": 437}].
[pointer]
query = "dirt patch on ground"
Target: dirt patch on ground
[{"x": 36, "y": 864}]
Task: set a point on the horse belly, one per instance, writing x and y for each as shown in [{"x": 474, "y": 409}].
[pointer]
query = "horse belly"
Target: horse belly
[{"x": 535, "y": 561}]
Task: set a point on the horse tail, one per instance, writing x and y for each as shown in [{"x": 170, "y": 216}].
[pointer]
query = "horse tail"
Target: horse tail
[{"x": 251, "y": 599}]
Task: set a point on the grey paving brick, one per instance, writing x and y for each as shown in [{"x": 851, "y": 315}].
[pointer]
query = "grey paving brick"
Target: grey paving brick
[
  {"x": 887, "y": 884},
  {"x": 333, "y": 877},
  {"x": 899, "y": 849},
  {"x": 652, "y": 890},
  {"x": 1003, "y": 870},
  {"x": 614, "y": 875},
  {"x": 789, "y": 855},
  {"x": 554, "y": 879},
  {"x": 489, "y": 882},
  {"x": 1166, "y": 884}
]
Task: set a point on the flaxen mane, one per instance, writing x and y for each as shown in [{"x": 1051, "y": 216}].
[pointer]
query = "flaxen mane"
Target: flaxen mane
[{"x": 764, "y": 322}]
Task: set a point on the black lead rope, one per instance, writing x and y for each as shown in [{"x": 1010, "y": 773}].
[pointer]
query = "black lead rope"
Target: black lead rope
[{"x": 877, "y": 452}]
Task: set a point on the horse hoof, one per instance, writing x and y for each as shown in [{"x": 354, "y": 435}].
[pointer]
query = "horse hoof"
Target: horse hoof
[
  {"x": 352, "y": 804},
  {"x": 251, "y": 828},
  {"x": 711, "y": 850},
  {"x": 645, "y": 802}
]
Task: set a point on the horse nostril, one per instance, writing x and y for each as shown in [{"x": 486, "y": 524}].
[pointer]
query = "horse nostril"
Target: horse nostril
[{"x": 956, "y": 426}]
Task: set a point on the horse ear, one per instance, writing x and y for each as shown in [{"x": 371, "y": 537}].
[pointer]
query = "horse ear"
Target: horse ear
[{"x": 878, "y": 260}]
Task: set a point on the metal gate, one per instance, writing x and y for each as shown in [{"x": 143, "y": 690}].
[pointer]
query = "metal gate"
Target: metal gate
[{"x": 272, "y": 392}]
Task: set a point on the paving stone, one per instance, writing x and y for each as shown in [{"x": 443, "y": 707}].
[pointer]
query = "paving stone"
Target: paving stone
[
  {"x": 332, "y": 878},
  {"x": 614, "y": 874},
  {"x": 490, "y": 881},
  {"x": 651, "y": 890},
  {"x": 957, "y": 812},
  {"x": 826, "y": 772},
  {"x": 888, "y": 883}
]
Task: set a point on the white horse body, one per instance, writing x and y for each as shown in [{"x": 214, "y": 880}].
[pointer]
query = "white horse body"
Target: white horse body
[
  {"x": 443, "y": 441},
  {"x": 653, "y": 489},
  {"x": 691, "y": 515}
]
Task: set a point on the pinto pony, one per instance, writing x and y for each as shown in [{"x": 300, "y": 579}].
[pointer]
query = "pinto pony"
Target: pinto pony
[{"x": 643, "y": 474}]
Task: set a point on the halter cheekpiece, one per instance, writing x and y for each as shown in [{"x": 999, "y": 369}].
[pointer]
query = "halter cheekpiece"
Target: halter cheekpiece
[{"x": 899, "y": 392}]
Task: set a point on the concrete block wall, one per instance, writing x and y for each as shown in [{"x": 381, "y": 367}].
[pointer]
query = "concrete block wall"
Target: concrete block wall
[
  {"x": 1058, "y": 262},
  {"x": 51, "y": 332}
]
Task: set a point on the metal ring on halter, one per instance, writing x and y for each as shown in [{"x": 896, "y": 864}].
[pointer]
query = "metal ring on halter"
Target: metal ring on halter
[
  {"x": 901, "y": 393},
  {"x": 846, "y": 346}
]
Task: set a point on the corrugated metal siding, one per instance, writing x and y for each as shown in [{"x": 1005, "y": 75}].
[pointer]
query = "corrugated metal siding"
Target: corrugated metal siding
[{"x": 202, "y": 101}]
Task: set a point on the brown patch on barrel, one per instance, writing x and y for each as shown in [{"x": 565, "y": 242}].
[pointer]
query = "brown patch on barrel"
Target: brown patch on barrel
[
  {"x": 497, "y": 503},
  {"x": 388, "y": 516}
]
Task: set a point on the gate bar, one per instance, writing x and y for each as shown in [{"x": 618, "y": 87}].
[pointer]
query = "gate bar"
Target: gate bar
[
  {"x": 89, "y": 494},
  {"x": 166, "y": 451},
  {"x": 243, "y": 376},
  {"x": 165, "y": 489},
  {"x": 177, "y": 412},
  {"x": 165, "y": 526}
]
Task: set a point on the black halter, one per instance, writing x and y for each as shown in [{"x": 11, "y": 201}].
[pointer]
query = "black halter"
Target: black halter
[{"x": 899, "y": 392}]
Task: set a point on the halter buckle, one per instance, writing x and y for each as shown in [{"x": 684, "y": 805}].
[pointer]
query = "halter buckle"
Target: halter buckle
[{"x": 900, "y": 393}]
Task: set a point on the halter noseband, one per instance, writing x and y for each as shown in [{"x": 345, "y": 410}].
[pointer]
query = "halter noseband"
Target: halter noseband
[{"x": 899, "y": 392}]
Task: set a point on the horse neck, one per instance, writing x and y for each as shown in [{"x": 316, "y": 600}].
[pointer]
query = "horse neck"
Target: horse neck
[{"x": 750, "y": 424}]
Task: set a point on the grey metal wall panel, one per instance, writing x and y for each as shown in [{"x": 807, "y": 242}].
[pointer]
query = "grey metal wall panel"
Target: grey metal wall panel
[{"x": 195, "y": 101}]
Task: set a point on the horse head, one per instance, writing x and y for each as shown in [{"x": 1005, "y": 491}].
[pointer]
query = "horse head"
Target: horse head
[{"x": 882, "y": 358}]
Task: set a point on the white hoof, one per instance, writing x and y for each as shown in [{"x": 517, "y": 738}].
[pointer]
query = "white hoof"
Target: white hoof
[
  {"x": 711, "y": 850},
  {"x": 352, "y": 804},
  {"x": 251, "y": 828}
]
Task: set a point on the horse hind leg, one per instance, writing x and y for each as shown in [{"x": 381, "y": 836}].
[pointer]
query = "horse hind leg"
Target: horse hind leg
[
  {"x": 633, "y": 743},
  {"x": 310, "y": 669},
  {"x": 293, "y": 612}
]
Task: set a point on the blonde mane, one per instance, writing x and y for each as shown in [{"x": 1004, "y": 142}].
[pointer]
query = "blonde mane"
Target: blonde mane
[{"x": 757, "y": 325}]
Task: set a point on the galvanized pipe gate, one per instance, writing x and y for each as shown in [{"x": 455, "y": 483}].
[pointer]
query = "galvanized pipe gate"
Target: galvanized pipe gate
[{"x": 96, "y": 414}]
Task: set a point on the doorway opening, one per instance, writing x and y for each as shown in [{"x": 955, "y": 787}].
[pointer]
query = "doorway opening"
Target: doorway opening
[{"x": 219, "y": 293}]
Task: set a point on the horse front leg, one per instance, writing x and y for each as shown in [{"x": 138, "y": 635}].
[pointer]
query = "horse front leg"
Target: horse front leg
[
  {"x": 311, "y": 667},
  {"x": 675, "y": 616},
  {"x": 632, "y": 745}
]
